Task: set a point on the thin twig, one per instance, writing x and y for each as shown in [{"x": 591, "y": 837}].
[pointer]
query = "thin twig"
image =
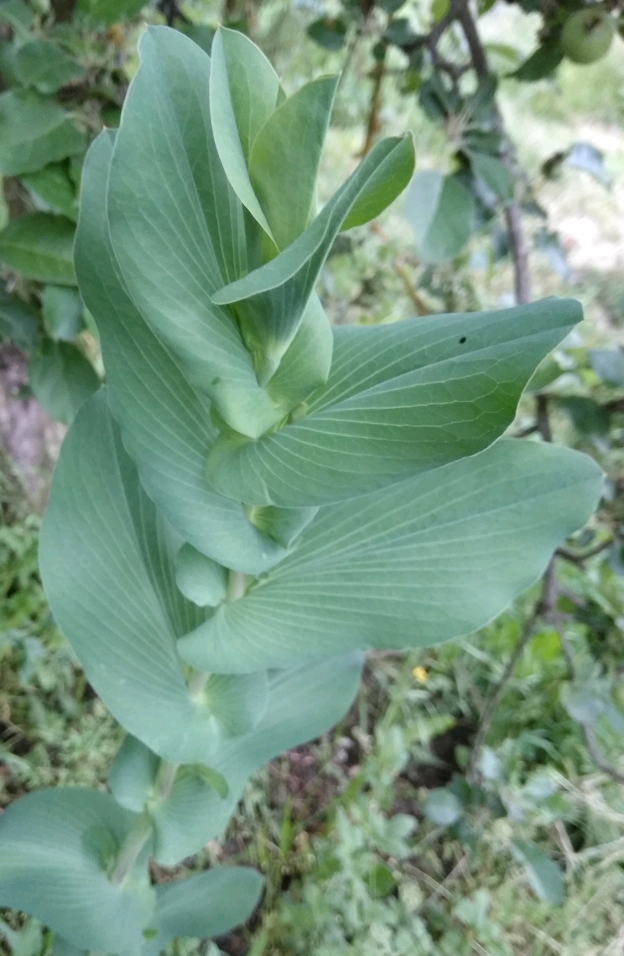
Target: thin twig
[
  {"x": 594, "y": 752},
  {"x": 493, "y": 702},
  {"x": 543, "y": 421},
  {"x": 372, "y": 126},
  {"x": 513, "y": 214},
  {"x": 584, "y": 555}
]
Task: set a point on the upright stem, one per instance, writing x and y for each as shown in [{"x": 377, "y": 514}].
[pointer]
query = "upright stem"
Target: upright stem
[
  {"x": 131, "y": 848},
  {"x": 237, "y": 583},
  {"x": 143, "y": 828}
]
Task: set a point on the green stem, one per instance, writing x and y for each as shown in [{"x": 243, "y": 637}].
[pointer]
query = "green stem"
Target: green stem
[
  {"x": 237, "y": 583},
  {"x": 131, "y": 848},
  {"x": 197, "y": 683},
  {"x": 165, "y": 779}
]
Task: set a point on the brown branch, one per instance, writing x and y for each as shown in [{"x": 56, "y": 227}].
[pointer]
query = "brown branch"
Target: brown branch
[
  {"x": 583, "y": 556},
  {"x": 543, "y": 421},
  {"x": 493, "y": 702},
  {"x": 513, "y": 213},
  {"x": 372, "y": 126}
]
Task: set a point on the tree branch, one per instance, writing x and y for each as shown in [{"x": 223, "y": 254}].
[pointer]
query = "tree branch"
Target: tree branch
[{"x": 513, "y": 213}]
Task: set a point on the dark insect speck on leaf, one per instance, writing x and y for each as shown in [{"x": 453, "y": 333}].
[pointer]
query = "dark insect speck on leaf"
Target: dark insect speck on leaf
[{"x": 462, "y": 340}]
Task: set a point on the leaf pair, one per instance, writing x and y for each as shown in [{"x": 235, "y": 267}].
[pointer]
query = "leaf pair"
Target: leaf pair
[
  {"x": 179, "y": 240},
  {"x": 104, "y": 544},
  {"x": 66, "y": 839}
]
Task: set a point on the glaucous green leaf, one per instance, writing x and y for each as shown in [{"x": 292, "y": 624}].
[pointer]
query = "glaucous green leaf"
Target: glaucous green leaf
[
  {"x": 56, "y": 846},
  {"x": 400, "y": 399},
  {"x": 18, "y": 321},
  {"x": 200, "y": 579},
  {"x": 45, "y": 66},
  {"x": 428, "y": 559},
  {"x": 302, "y": 703},
  {"x": 440, "y": 211},
  {"x": 237, "y": 702},
  {"x": 40, "y": 246},
  {"x": 62, "y": 947},
  {"x": 165, "y": 422},
  {"x": 62, "y": 313},
  {"x": 285, "y": 156},
  {"x": 204, "y": 905},
  {"x": 307, "y": 360},
  {"x": 543, "y": 874},
  {"x": 178, "y": 238},
  {"x": 384, "y": 187},
  {"x": 271, "y": 300},
  {"x": 53, "y": 190},
  {"x": 34, "y": 132},
  {"x": 132, "y": 774},
  {"x": 109, "y": 575},
  {"x": 61, "y": 379},
  {"x": 244, "y": 92}
]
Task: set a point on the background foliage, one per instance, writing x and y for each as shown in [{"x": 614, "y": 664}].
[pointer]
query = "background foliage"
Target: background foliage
[{"x": 390, "y": 835}]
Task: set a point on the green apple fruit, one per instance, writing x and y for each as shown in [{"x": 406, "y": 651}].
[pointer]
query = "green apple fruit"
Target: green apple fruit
[{"x": 587, "y": 35}]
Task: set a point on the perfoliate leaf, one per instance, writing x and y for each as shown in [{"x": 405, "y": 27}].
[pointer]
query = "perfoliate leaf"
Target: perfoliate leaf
[
  {"x": 542, "y": 873},
  {"x": 302, "y": 703},
  {"x": 200, "y": 579},
  {"x": 56, "y": 847},
  {"x": 62, "y": 947},
  {"x": 45, "y": 66},
  {"x": 132, "y": 774},
  {"x": 237, "y": 702},
  {"x": 388, "y": 182},
  {"x": 307, "y": 360},
  {"x": 125, "y": 612},
  {"x": 179, "y": 239},
  {"x": 285, "y": 156},
  {"x": 270, "y": 301},
  {"x": 61, "y": 379},
  {"x": 34, "y": 132},
  {"x": 204, "y": 905},
  {"x": 244, "y": 92},
  {"x": 425, "y": 560},
  {"x": 386, "y": 411},
  {"x": 165, "y": 422},
  {"x": 440, "y": 211},
  {"x": 63, "y": 313},
  {"x": 40, "y": 246}
]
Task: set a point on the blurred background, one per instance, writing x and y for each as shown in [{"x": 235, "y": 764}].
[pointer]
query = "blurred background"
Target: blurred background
[{"x": 472, "y": 801}]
